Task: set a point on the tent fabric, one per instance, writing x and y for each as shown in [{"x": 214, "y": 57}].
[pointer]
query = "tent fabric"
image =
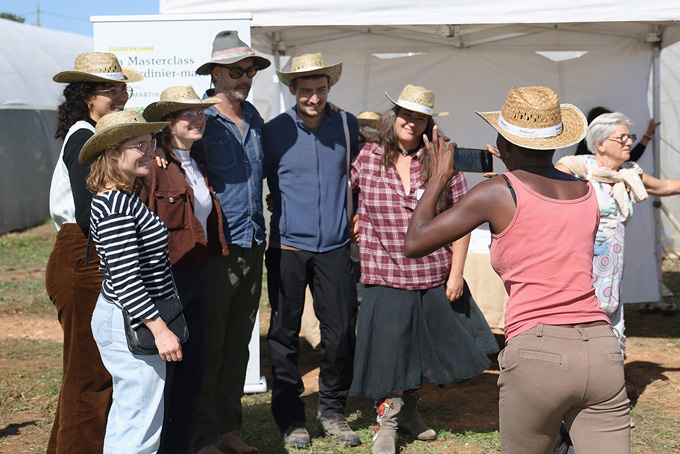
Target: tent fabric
[
  {"x": 29, "y": 57},
  {"x": 471, "y": 54}
]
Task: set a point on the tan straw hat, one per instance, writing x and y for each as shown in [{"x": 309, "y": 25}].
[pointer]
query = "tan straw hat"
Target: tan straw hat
[
  {"x": 98, "y": 67},
  {"x": 115, "y": 128},
  {"x": 417, "y": 99},
  {"x": 227, "y": 49},
  {"x": 174, "y": 99},
  {"x": 532, "y": 117},
  {"x": 371, "y": 119},
  {"x": 310, "y": 65}
]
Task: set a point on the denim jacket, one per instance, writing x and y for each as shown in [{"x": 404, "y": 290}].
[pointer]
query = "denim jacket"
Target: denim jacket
[{"x": 234, "y": 165}]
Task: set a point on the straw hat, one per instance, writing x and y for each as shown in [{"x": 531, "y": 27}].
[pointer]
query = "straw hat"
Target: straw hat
[
  {"x": 417, "y": 99},
  {"x": 174, "y": 99},
  {"x": 310, "y": 65},
  {"x": 371, "y": 119},
  {"x": 115, "y": 128},
  {"x": 532, "y": 117},
  {"x": 228, "y": 48},
  {"x": 98, "y": 67}
]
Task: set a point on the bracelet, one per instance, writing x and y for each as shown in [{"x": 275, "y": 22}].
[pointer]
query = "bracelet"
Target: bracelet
[{"x": 648, "y": 136}]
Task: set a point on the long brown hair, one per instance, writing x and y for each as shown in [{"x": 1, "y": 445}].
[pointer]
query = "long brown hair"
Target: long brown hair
[
  {"x": 105, "y": 174},
  {"x": 388, "y": 141}
]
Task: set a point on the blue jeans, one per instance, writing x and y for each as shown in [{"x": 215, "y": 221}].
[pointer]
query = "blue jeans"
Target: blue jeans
[{"x": 136, "y": 416}]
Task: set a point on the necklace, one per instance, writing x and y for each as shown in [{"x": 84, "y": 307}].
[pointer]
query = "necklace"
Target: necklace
[{"x": 409, "y": 152}]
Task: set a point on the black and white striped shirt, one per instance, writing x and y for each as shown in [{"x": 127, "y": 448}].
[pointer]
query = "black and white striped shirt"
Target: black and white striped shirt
[{"x": 133, "y": 241}]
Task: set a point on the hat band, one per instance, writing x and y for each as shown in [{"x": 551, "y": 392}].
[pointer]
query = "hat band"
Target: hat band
[
  {"x": 229, "y": 53},
  {"x": 529, "y": 133},
  {"x": 415, "y": 107},
  {"x": 116, "y": 75}
]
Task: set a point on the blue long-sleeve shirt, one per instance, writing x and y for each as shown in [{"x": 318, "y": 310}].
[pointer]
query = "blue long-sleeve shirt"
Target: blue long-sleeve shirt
[
  {"x": 234, "y": 165},
  {"x": 307, "y": 176}
]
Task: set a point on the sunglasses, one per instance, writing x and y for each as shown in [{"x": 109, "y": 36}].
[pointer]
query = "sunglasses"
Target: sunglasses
[
  {"x": 144, "y": 147},
  {"x": 236, "y": 72},
  {"x": 191, "y": 115}
]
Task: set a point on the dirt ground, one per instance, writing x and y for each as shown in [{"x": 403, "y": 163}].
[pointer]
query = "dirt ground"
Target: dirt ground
[{"x": 652, "y": 368}]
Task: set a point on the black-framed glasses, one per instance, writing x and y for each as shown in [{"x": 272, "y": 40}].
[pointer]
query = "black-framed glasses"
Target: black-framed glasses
[
  {"x": 144, "y": 147},
  {"x": 623, "y": 138},
  {"x": 116, "y": 91},
  {"x": 235, "y": 72}
]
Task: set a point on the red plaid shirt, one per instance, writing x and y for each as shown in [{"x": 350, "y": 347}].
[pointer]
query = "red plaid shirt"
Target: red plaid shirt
[{"x": 384, "y": 212}]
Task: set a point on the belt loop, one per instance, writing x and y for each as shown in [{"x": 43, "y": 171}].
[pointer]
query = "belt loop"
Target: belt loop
[
  {"x": 583, "y": 333},
  {"x": 539, "y": 330}
]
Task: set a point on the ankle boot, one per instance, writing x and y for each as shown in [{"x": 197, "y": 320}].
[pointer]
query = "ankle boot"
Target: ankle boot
[
  {"x": 385, "y": 438},
  {"x": 409, "y": 419}
]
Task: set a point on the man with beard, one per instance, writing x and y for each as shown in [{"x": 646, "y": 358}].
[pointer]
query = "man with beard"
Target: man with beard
[
  {"x": 306, "y": 159},
  {"x": 231, "y": 150}
]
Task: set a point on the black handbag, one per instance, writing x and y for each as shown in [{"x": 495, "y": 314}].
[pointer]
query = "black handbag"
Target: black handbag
[{"x": 141, "y": 341}]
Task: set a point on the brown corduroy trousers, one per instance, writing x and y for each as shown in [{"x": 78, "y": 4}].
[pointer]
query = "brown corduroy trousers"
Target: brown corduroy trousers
[{"x": 85, "y": 397}]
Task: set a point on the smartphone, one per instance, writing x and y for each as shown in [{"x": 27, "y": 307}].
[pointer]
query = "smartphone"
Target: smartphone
[{"x": 473, "y": 160}]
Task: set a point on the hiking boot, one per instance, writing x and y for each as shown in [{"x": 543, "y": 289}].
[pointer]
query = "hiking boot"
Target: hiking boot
[
  {"x": 385, "y": 438},
  {"x": 409, "y": 419},
  {"x": 336, "y": 427},
  {"x": 297, "y": 436}
]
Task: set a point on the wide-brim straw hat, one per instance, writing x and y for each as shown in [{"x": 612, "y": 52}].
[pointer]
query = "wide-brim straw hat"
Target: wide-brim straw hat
[
  {"x": 227, "y": 49},
  {"x": 417, "y": 99},
  {"x": 532, "y": 117},
  {"x": 174, "y": 99},
  {"x": 115, "y": 128},
  {"x": 371, "y": 119},
  {"x": 101, "y": 67},
  {"x": 310, "y": 65}
]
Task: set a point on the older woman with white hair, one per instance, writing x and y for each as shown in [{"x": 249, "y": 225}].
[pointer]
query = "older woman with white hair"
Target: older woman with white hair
[{"x": 619, "y": 183}]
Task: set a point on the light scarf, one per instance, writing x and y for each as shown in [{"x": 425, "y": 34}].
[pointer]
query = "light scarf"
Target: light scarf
[{"x": 627, "y": 184}]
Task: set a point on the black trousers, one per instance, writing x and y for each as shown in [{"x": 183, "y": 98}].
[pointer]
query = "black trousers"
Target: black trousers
[
  {"x": 330, "y": 277},
  {"x": 184, "y": 378}
]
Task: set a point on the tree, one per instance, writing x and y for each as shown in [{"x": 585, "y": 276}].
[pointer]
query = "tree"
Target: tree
[{"x": 13, "y": 17}]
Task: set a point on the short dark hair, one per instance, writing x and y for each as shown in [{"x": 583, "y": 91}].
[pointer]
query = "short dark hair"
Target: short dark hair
[{"x": 293, "y": 83}]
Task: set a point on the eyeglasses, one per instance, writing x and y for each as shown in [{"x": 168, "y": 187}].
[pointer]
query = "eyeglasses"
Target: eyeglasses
[
  {"x": 144, "y": 147},
  {"x": 623, "y": 138},
  {"x": 116, "y": 91},
  {"x": 235, "y": 72},
  {"x": 191, "y": 115}
]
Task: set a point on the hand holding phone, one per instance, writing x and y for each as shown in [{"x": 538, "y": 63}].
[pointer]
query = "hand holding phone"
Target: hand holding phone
[{"x": 472, "y": 160}]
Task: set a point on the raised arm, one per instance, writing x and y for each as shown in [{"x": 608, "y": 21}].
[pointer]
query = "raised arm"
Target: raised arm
[{"x": 660, "y": 188}]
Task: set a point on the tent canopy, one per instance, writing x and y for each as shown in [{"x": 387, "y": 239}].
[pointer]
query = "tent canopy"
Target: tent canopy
[{"x": 591, "y": 52}]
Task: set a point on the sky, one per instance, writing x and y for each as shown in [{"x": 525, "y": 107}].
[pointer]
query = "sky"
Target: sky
[{"x": 74, "y": 15}]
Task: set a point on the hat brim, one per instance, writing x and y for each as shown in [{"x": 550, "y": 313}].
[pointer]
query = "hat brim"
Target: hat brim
[
  {"x": 370, "y": 122},
  {"x": 411, "y": 108},
  {"x": 333, "y": 72},
  {"x": 68, "y": 77},
  {"x": 574, "y": 129},
  {"x": 114, "y": 134},
  {"x": 159, "y": 109},
  {"x": 259, "y": 62}
]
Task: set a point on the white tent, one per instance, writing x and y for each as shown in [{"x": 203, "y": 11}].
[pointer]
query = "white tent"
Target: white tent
[
  {"x": 29, "y": 57},
  {"x": 593, "y": 53}
]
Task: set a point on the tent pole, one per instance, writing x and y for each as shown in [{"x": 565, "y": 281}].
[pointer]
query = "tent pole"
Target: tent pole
[{"x": 656, "y": 114}]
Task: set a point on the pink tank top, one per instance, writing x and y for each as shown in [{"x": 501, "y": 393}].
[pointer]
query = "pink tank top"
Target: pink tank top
[{"x": 545, "y": 259}]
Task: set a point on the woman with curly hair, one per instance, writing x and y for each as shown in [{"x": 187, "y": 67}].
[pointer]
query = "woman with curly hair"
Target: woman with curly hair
[{"x": 96, "y": 87}]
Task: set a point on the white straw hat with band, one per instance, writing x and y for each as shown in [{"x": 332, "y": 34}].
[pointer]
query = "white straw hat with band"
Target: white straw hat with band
[
  {"x": 115, "y": 128},
  {"x": 417, "y": 99},
  {"x": 310, "y": 65},
  {"x": 532, "y": 117},
  {"x": 100, "y": 67},
  {"x": 227, "y": 49},
  {"x": 174, "y": 99},
  {"x": 371, "y": 119}
]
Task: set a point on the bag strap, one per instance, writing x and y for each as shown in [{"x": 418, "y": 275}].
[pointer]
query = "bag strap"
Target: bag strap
[{"x": 350, "y": 202}]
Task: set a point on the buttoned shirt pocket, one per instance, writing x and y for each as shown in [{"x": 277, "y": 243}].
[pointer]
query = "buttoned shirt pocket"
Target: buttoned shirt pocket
[
  {"x": 171, "y": 206},
  {"x": 221, "y": 150}
]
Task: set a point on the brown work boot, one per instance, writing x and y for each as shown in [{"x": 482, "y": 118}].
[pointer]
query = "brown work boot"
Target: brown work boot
[
  {"x": 385, "y": 438},
  {"x": 409, "y": 419},
  {"x": 337, "y": 428},
  {"x": 296, "y": 435}
]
